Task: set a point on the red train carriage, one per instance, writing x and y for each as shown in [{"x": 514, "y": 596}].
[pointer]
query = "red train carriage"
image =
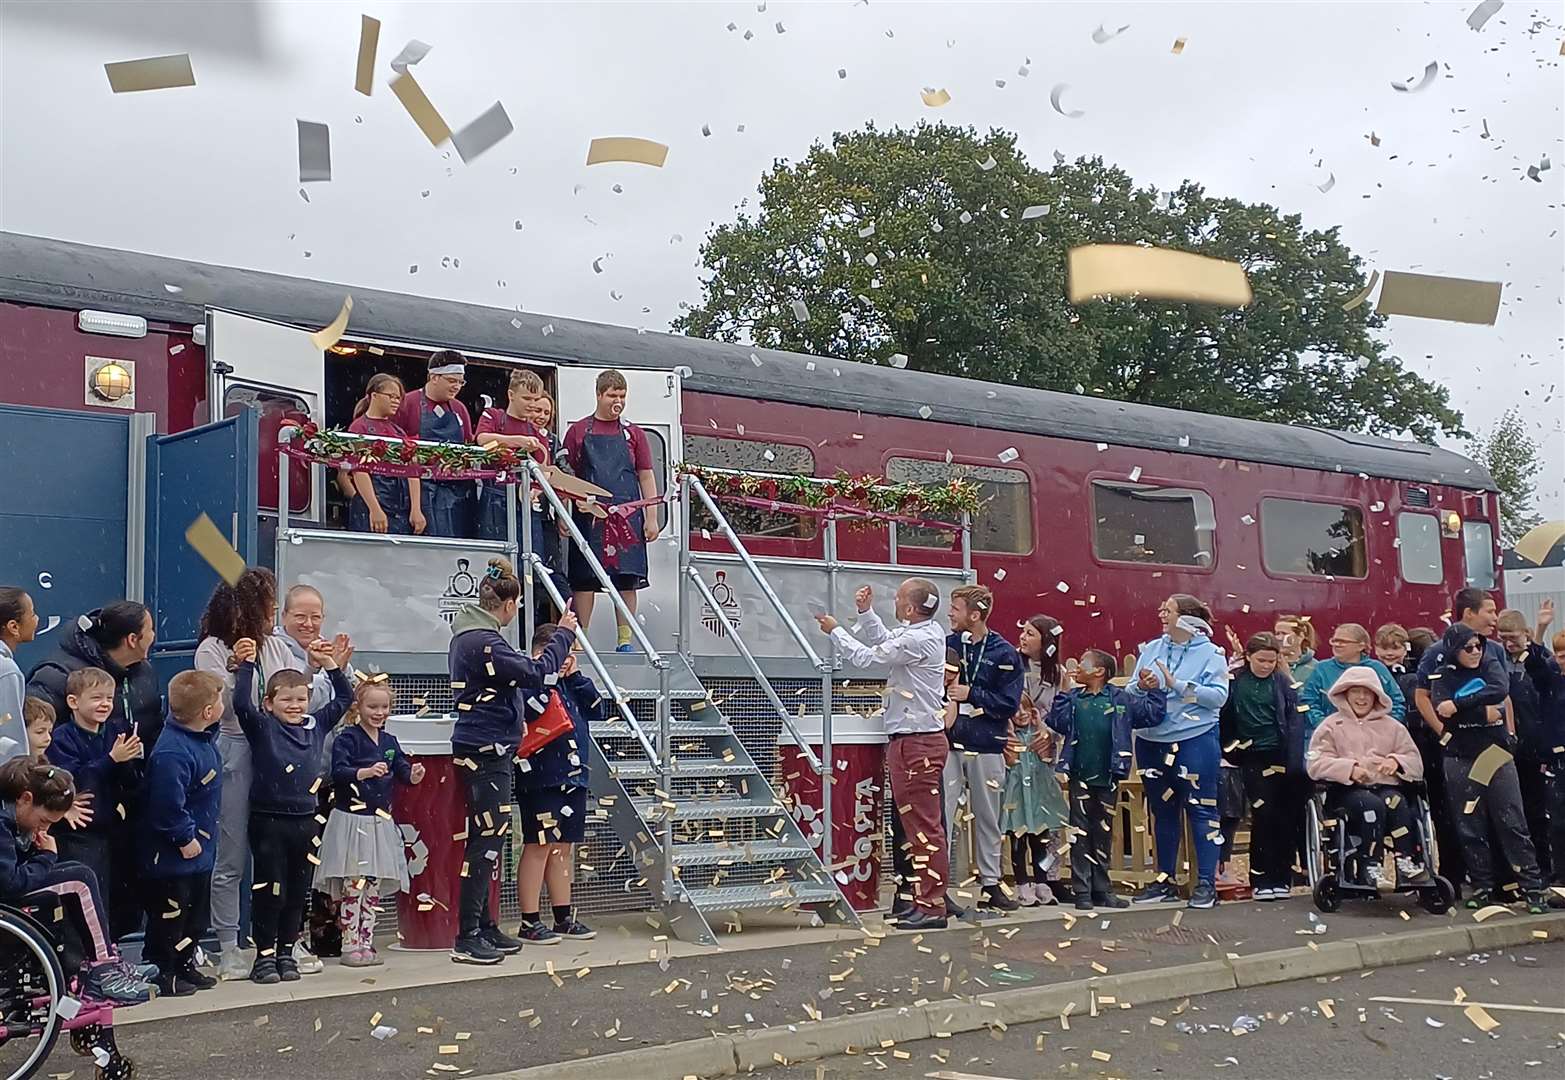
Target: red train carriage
[{"x": 1096, "y": 510}]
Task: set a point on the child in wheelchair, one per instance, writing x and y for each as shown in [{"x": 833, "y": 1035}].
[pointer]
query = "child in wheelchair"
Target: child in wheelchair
[
  {"x": 33, "y": 796},
  {"x": 1364, "y": 754}
]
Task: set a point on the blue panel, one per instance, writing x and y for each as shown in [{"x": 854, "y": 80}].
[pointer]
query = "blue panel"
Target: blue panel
[
  {"x": 62, "y": 513},
  {"x": 208, "y": 470}
]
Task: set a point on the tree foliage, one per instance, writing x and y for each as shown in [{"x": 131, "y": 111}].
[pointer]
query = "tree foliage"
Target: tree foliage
[
  {"x": 902, "y": 241},
  {"x": 1512, "y": 459}
]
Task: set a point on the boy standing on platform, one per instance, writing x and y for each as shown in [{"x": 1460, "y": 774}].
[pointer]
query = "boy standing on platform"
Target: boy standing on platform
[
  {"x": 434, "y": 414},
  {"x": 607, "y": 450}
]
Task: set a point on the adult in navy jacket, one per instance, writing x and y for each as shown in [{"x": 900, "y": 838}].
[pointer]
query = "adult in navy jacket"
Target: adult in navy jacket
[
  {"x": 116, "y": 638},
  {"x": 489, "y": 679}
]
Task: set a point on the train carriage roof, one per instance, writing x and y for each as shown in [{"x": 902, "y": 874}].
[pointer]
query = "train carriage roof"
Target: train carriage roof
[{"x": 55, "y": 273}]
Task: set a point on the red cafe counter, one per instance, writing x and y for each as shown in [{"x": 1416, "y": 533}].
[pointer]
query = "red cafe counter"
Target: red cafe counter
[{"x": 858, "y": 747}]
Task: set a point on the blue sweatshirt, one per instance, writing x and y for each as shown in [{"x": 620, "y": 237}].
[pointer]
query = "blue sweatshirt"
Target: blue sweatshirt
[
  {"x": 1131, "y": 711},
  {"x": 1200, "y": 685},
  {"x": 562, "y": 761},
  {"x": 22, "y": 865},
  {"x": 355, "y": 750},
  {"x": 1325, "y": 676},
  {"x": 993, "y": 673},
  {"x": 287, "y": 758},
  {"x": 184, "y": 792},
  {"x": 114, "y": 785},
  {"x": 486, "y": 675}
]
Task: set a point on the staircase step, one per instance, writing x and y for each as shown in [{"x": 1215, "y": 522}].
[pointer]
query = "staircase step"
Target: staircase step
[
  {"x": 684, "y": 768},
  {"x": 759, "y": 851},
  {"x": 707, "y": 810},
  {"x": 777, "y": 895},
  {"x": 679, "y": 729},
  {"x": 652, "y": 693}
]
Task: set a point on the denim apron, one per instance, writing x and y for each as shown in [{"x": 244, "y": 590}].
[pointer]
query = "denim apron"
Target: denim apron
[
  {"x": 445, "y": 502},
  {"x": 390, "y": 491},
  {"x": 491, "y": 514},
  {"x": 608, "y": 462}
]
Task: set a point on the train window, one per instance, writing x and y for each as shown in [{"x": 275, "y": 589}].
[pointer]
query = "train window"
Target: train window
[
  {"x": 753, "y": 456},
  {"x": 658, "y": 444},
  {"x": 1144, "y": 523},
  {"x": 1418, "y": 549},
  {"x": 1004, "y": 523},
  {"x": 276, "y": 407},
  {"x": 1313, "y": 539},
  {"x": 1478, "y": 549}
]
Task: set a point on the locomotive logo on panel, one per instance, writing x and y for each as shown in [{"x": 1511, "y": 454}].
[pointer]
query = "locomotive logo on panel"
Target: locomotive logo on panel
[
  {"x": 461, "y": 589},
  {"x": 723, "y": 593}
]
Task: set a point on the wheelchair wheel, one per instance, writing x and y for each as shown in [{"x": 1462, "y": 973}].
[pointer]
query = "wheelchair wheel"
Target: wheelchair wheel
[
  {"x": 32, "y": 985},
  {"x": 1327, "y": 896},
  {"x": 1438, "y": 899},
  {"x": 1313, "y": 868}
]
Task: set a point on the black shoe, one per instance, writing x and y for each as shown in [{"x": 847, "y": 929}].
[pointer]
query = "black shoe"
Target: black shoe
[
  {"x": 503, "y": 943},
  {"x": 194, "y": 975},
  {"x": 901, "y": 910},
  {"x": 1554, "y": 899},
  {"x": 288, "y": 968},
  {"x": 953, "y": 909},
  {"x": 265, "y": 971},
  {"x": 475, "y": 949},
  {"x": 996, "y": 900},
  {"x": 1204, "y": 896},
  {"x": 174, "y": 985},
  {"x": 535, "y": 933},
  {"x": 576, "y": 931},
  {"x": 1111, "y": 901},
  {"x": 1158, "y": 892},
  {"x": 1083, "y": 903},
  {"x": 921, "y": 920},
  {"x": 1478, "y": 898}
]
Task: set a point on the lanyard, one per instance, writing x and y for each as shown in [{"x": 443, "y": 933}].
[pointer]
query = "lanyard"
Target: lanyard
[{"x": 970, "y": 662}]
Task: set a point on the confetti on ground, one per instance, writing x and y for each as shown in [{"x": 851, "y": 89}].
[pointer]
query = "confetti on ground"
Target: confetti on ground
[
  {"x": 628, "y": 149},
  {"x": 1480, "y": 1018},
  {"x": 153, "y": 73},
  {"x": 1097, "y": 270}
]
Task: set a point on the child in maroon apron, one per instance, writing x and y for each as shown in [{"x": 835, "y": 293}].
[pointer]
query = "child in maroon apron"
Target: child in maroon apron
[
  {"x": 434, "y": 414},
  {"x": 388, "y": 504},
  {"x": 513, "y": 426}
]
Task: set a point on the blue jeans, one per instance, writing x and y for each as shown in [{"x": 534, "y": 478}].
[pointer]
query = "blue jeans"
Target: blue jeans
[
  {"x": 1200, "y": 757},
  {"x": 446, "y": 507}
]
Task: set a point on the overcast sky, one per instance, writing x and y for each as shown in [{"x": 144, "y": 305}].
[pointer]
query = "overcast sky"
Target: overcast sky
[{"x": 1261, "y": 93}]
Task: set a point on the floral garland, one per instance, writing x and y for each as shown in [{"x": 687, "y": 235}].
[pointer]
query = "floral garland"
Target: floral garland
[
  {"x": 866, "y": 496},
  {"x": 365, "y": 453}
]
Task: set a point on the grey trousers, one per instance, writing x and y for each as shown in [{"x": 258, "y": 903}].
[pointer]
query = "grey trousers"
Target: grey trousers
[
  {"x": 233, "y": 840},
  {"x": 983, "y": 776}
]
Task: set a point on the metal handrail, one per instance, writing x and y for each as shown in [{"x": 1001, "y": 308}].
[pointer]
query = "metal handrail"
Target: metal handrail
[
  {"x": 755, "y": 571},
  {"x": 755, "y": 669},
  {"x": 540, "y": 571},
  {"x": 655, "y": 658}
]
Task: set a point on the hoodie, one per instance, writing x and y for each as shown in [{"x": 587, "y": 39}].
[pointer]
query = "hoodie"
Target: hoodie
[
  {"x": 22, "y": 865},
  {"x": 1343, "y": 740},
  {"x": 487, "y": 675},
  {"x": 1200, "y": 684},
  {"x": 138, "y": 700},
  {"x": 1536, "y": 683},
  {"x": 321, "y": 690},
  {"x": 1316, "y": 694},
  {"x": 115, "y": 786},
  {"x": 287, "y": 760},
  {"x": 993, "y": 673},
  {"x": 1472, "y": 690},
  {"x": 13, "y": 689},
  {"x": 184, "y": 791}
]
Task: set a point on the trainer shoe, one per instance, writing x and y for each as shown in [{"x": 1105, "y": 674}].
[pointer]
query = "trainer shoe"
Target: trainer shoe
[
  {"x": 1478, "y": 898},
  {"x": 922, "y": 920},
  {"x": 1110, "y": 901},
  {"x": 1204, "y": 896},
  {"x": 232, "y": 965},
  {"x": 174, "y": 985},
  {"x": 1025, "y": 895},
  {"x": 535, "y": 933},
  {"x": 308, "y": 962},
  {"x": 1536, "y": 904},
  {"x": 1157, "y": 892},
  {"x": 503, "y": 943},
  {"x": 196, "y": 977},
  {"x": 1083, "y": 903},
  {"x": 265, "y": 971},
  {"x": 994, "y": 899},
  {"x": 475, "y": 949},
  {"x": 576, "y": 931},
  {"x": 1411, "y": 873},
  {"x": 108, "y": 981},
  {"x": 287, "y": 969}
]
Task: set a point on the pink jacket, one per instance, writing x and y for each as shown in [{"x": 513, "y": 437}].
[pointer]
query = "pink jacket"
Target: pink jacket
[{"x": 1344, "y": 740}]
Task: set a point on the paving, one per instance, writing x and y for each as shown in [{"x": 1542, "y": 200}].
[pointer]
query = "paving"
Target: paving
[{"x": 512, "y": 1018}]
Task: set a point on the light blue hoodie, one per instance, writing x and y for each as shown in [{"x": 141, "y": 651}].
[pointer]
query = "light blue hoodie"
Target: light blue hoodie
[
  {"x": 13, "y": 728},
  {"x": 1200, "y": 673}
]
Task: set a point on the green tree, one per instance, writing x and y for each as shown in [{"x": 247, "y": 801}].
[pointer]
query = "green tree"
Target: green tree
[
  {"x": 1512, "y": 459},
  {"x": 914, "y": 242}
]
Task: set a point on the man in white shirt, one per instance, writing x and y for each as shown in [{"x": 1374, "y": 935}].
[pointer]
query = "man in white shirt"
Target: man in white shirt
[{"x": 914, "y": 655}]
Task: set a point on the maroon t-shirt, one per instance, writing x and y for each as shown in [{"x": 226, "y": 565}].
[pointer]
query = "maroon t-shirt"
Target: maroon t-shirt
[
  {"x": 411, "y": 411},
  {"x": 366, "y": 424},
  {"x": 500, "y": 422},
  {"x": 640, "y": 448}
]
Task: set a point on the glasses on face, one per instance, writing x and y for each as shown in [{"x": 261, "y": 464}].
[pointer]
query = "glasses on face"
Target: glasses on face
[
  {"x": 1345, "y": 641},
  {"x": 1473, "y": 647}
]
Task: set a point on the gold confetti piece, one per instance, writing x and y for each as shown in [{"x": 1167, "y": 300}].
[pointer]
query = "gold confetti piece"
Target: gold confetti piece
[
  {"x": 1486, "y": 763},
  {"x": 1429, "y": 296},
  {"x": 331, "y": 333},
  {"x": 627, "y": 148},
  {"x": 414, "y": 100},
  {"x": 450, "y": 1048},
  {"x": 1325, "y": 1006},
  {"x": 212, "y": 546},
  {"x": 153, "y": 73},
  {"x": 1358, "y": 298},
  {"x": 262, "y": 1020},
  {"x": 1097, "y": 270},
  {"x": 1099, "y": 1055},
  {"x": 369, "y": 41},
  {"x": 1179, "y": 46},
  {"x": 1490, "y": 912},
  {"x": 1480, "y": 1018},
  {"x": 1158, "y": 1021},
  {"x": 935, "y": 99}
]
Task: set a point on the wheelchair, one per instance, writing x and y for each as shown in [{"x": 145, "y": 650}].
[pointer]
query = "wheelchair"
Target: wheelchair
[
  {"x": 38, "y": 1002},
  {"x": 1332, "y": 878}
]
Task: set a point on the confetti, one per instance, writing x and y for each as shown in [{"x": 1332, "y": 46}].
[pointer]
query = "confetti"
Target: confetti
[
  {"x": 212, "y": 546},
  {"x": 988, "y": 163},
  {"x": 1483, "y": 13},
  {"x": 1358, "y": 298},
  {"x": 1486, "y": 763},
  {"x": 1101, "y": 36},
  {"x": 1480, "y": 1018},
  {"x": 1034, "y": 212},
  {"x": 418, "y": 106},
  {"x": 800, "y": 312},
  {"x": 330, "y": 334},
  {"x": 153, "y": 73},
  {"x": 483, "y": 133},
  {"x": 1179, "y": 46},
  {"x": 1097, "y": 270},
  {"x": 1483, "y": 914},
  {"x": 411, "y": 53},
  {"x": 1427, "y": 296},
  {"x": 369, "y": 42},
  {"x": 898, "y": 360},
  {"x": 629, "y": 149},
  {"x": 1431, "y": 69},
  {"x": 1054, "y": 99},
  {"x": 1329, "y": 183},
  {"x": 935, "y": 99}
]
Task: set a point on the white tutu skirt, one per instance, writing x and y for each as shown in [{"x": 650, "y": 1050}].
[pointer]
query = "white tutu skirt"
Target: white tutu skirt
[{"x": 358, "y": 846}]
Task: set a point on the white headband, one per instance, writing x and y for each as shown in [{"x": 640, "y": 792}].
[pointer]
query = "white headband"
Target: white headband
[
  {"x": 1194, "y": 625},
  {"x": 449, "y": 369}
]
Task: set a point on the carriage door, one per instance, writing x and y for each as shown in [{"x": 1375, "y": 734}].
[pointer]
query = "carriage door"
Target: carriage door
[
  {"x": 275, "y": 369},
  {"x": 652, "y": 402}
]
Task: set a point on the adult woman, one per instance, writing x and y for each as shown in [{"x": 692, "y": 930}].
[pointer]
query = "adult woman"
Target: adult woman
[
  {"x": 1033, "y": 804},
  {"x": 116, "y": 638},
  {"x": 246, "y": 609},
  {"x": 489, "y": 679},
  {"x": 1179, "y": 758},
  {"x": 18, "y": 624}
]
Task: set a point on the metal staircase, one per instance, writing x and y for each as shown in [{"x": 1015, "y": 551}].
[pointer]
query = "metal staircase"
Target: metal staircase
[{"x": 703, "y": 824}]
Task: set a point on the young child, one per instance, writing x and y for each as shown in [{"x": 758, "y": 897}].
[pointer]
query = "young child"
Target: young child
[
  {"x": 362, "y": 856},
  {"x": 1095, "y": 720},
  {"x": 551, "y": 792},
  {"x": 33, "y": 796},
  {"x": 286, "y": 745},
  {"x": 106, "y": 761},
  {"x": 1464, "y": 687},
  {"x": 383, "y": 504},
  {"x": 1365, "y": 753},
  {"x": 38, "y": 714},
  {"x": 1032, "y": 804},
  {"x": 1263, "y": 733},
  {"x": 184, "y": 791}
]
